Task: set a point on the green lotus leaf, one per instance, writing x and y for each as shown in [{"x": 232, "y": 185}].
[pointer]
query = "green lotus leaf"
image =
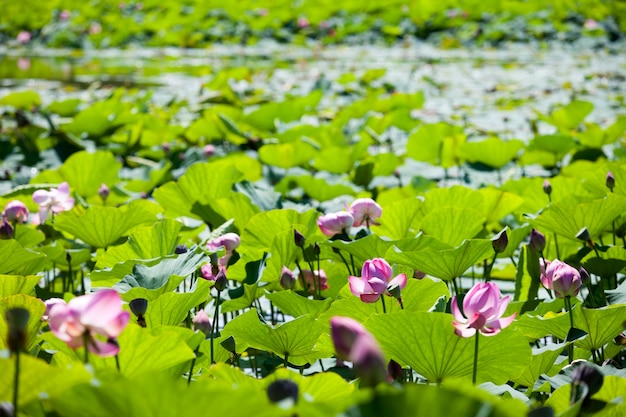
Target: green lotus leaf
[
  {"x": 453, "y": 225},
  {"x": 569, "y": 215},
  {"x": 497, "y": 204},
  {"x": 246, "y": 300},
  {"x": 435, "y": 144},
  {"x": 296, "y": 305},
  {"x": 569, "y": 116},
  {"x": 295, "y": 339},
  {"x": 101, "y": 227},
  {"x": 171, "y": 308},
  {"x": 287, "y": 155},
  {"x": 19, "y": 261},
  {"x": 427, "y": 343},
  {"x": 157, "y": 240},
  {"x": 445, "y": 264},
  {"x": 16, "y": 284},
  {"x": 493, "y": 152},
  {"x": 86, "y": 171},
  {"x": 25, "y": 100},
  {"x": 35, "y": 307},
  {"x": 541, "y": 363},
  {"x": 398, "y": 218},
  {"x": 38, "y": 379}
]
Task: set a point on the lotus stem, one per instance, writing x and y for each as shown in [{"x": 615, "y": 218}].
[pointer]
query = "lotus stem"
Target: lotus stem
[
  {"x": 215, "y": 324},
  {"x": 16, "y": 381},
  {"x": 193, "y": 362},
  {"x": 475, "y": 370},
  {"x": 382, "y": 300},
  {"x": 568, "y": 306}
]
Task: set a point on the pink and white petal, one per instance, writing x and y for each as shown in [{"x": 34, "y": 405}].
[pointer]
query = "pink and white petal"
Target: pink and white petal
[
  {"x": 501, "y": 323},
  {"x": 357, "y": 285},
  {"x": 377, "y": 285},
  {"x": 64, "y": 189},
  {"x": 456, "y": 312},
  {"x": 370, "y": 297},
  {"x": 103, "y": 349},
  {"x": 41, "y": 197},
  {"x": 461, "y": 330},
  {"x": 104, "y": 306},
  {"x": 115, "y": 327},
  {"x": 400, "y": 280},
  {"x": 477, "y": 321}
]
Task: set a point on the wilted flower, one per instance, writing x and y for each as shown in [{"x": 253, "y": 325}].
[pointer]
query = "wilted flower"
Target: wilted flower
[
  {"x": 202, "y": 322},
  {"x": 56, "y": 200},
  {"x": 15, "y": 212},
  {"x": 354, "y": 343},
  {"x": 376, "y": 279},
  {"x": 287, "y": 279},
  {"x": 537, "y": 241},
  {"x": 484, "y": 308},
  {"x": 562, "y": 278},
  {"x": 365, "y": 211},
  {"x": 334, "y": 223},
  {"x": 321, "y": 281},
  {"x": 85, "y": 317}
]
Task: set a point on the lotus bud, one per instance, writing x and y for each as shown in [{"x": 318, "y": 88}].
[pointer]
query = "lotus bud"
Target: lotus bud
[
  {"x": 417, "y": 274},
  {"x": 316, "y": 249},
  {"x": 344, "y": 331},
  {"x": 17, "y": 323},
  {"x": 500, "y": 241},
  {"x": 395, "y": 371},
  {"x": 139, "y": 306},
  {"x": 547, "y": 187},
  {"x": 16, "y": 212},
  {"x": 202, "y": 323},
  {"x": 283, "y": 390},
  {"x": 104, "y": 191},
  {"x": 180, "y": 249},
  {"x": 610, "y": 180},
  {"x": 583, "y": 234},
  {"x": 220, "y": 280},
  {"x": 208, "y": 150},
  {"x": 167, "y": 148},
  {"x": 537, "y": 241},
  {"x": 298, "y": 238},
  {"x": 6, "y": 230},
  {"x": 368, "y": 360},
  {"x": 588, "y": 374},
  {"x": 287, "y": 279}
]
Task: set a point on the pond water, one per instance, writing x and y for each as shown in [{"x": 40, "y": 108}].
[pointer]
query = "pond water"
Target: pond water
[{"x": 491, "y": 89}]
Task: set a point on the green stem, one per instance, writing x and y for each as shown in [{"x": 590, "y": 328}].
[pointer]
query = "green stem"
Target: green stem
[
  {"x": 306, "y": 259},
  {"x": 302, "y": 282},
  {"x": 401, "y": 303},
  {"x": 215, "y": 324},
  {"x": 86, "y": 343},
  {"x": 16, "y": 381},
  {"x": 489, "y": 267},
  {"x": 382, "y": 299},
  {"x": 568, "y": 306},
  {"x": 348, "y": 266},
  {"x": 475, "y": 358},
  {"x": 613, "y": 228},
  {"x": 193, "y": 362},
  {"x": 286, "y": 361},
  {"x": 117, "y": 363},
  {"x": 556, "y": 245}
]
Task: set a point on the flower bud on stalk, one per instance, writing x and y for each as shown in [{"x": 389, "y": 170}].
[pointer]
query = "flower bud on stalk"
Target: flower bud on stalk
[
  {"x": 610, "y": 180},
  {"x": 537, "y": 241},
  {"x": 17, "y": 323},
  {"x": 547, "y": 187},
  {"x": 500, "y": 241},
  {"x": 287, "y": 279}
]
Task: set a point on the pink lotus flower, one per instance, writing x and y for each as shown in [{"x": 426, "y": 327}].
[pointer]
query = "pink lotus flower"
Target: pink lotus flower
[
  {"x": 484, "y": 307},
  {"x": 334, "y": 223},
  {"x": 202, "y": 322},
  {"x": 85, "y": 317},
  {"x": 15, "y": 212},
  {"x": 562, "y": 278},
  {"x": 23, "y": 37},
  {"x": 230, "y": 242},
  {"x": 287, "y": 279},
  {"x": 321, "y": 281},
  {"x": 49, "y": 303},
  {"x": 365, "y": 211},
  {"x": 355, "y": 344},
  {"x": 56, "y": 201},
  {"x": 376, "y": 279}
]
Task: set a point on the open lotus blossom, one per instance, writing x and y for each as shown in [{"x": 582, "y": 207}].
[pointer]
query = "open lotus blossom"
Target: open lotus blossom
[
  {"x": 84, "y": 318},
  {"x": 376, "y": 278},
  {"x": 15, "y": 212},
  {"x": 321, "y": 281},
  {"x": 229, "y": 241},
  {"x": 56, "y": 200},
  {"x": 365, "y": 212},
  {"x": 562, "y": 278},
  {"x": 483, "y": 306},
  {"x": 334, "y": 223}
]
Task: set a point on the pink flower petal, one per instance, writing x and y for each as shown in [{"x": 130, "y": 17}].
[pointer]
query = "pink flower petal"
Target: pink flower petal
[{"x": 103, "y": 349}]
